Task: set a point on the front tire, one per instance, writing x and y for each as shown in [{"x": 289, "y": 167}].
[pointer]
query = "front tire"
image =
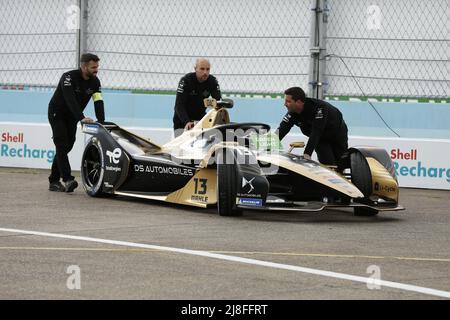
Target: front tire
[
  {"x": 361, "y": 175},
  {"x": 92, "y": 170},
  {"x": 227, "y": 180}
]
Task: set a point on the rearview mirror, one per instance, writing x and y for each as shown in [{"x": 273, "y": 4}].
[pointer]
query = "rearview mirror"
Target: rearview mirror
[{"x": 225, "y": 103}]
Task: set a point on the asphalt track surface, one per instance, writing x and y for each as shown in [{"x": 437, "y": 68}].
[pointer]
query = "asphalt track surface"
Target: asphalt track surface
[{"x": 410, "y": 247}]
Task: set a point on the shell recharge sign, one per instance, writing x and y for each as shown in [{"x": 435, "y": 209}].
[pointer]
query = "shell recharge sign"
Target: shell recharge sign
[
  {"x": 418, "y": 163},
  {"x": 31, "y": 146},
  {"x": 414, "y": 165},
  {"x": 16, "y": 150}
]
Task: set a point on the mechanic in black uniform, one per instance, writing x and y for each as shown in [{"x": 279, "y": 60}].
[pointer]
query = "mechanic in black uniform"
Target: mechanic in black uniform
[
  {"x": 74, "y": 90},
  {"x": 320, "y": 121},
  {"x": 192, "y": 89}
]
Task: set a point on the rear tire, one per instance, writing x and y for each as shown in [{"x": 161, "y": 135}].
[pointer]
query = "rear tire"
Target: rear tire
[
  {"x": 227, "y": 176},
  {"x": 362, "y": 179},
  {"x": 92, "y": 170},
  {"x": 361, "y": 176}
]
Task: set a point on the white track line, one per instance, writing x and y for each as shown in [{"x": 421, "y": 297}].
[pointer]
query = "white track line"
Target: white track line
[{"x": 343, "y": 276}]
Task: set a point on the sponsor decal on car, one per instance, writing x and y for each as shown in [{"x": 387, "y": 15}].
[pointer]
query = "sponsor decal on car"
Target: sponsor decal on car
[
  {"x": 246, "y": 182},
  {"x": 249, "y": 195},
  {"x": 114, "y": 156},
  {"x": 111, "y": 168},
  {"x": 203, "y": 199},
  {"x": 107, "y": 185},
  {"x": 163, "y": 170},
  {"x": 250, "y": 202},
  {"x": 383, "y": 188},
  {"x": 337, "y": 181},
  {"x": 90, "y": 128},
  {"x": 200, "y": 190},
  {"x": 311, "y": 165}
]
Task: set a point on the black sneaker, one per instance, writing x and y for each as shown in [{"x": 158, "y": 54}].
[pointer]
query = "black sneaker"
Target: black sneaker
[
  {"x": 71, "y": 185},
  {"x": 56, "y": 186}
]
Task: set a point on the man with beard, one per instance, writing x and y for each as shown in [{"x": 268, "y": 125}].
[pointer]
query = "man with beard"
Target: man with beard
[
  {"x": 65, "y": 110},
  {"x": 320, "y": 121}
]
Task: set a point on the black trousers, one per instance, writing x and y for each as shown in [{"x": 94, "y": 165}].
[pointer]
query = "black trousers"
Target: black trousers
[
  {"x": 64, "y": 131},
  {"x": 330, "y": 150}
]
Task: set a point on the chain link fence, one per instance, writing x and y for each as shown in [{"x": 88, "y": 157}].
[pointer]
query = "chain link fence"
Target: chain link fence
[
  {"x": 380, "y": 47},
  {"x": 388, "y": 48},
  {"x": 253, "y": 46},
  {"x": 38, "y": 41}
]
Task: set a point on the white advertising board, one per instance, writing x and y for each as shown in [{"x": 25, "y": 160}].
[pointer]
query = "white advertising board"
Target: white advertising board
[
  {"x": 30, "y": 145},
  {"x": 419, "y": 163}
]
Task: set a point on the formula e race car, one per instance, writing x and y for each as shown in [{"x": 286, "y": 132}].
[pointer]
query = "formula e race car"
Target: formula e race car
[{"x": 233, "y": 166}]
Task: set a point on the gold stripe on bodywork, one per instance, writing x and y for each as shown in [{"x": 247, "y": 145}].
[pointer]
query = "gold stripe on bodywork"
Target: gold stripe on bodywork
[
  {"x": 316, "y": 172},
  {"x": 211, "y": 119}
]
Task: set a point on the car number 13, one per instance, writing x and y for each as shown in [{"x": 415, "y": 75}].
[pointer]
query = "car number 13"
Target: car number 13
[{"x": 200, "y": 186}]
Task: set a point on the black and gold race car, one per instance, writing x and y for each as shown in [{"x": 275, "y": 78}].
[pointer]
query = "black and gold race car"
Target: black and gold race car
[{"x": 234, "y": 166}]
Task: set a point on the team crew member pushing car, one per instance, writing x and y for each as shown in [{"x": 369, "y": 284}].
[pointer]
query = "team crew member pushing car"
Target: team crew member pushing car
[
  {"x": 192, "y": 89},
  {"x": 74, "y": 90},
  {"x": 320, "y": 121}
]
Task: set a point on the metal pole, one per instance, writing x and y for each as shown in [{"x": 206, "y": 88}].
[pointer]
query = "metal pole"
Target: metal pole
[
  {"x": 313, "y": 48},
  {"x": 82, "y": 32},
  {"x": 323, "y": 22},
  {"x": 317, "y": 49}
]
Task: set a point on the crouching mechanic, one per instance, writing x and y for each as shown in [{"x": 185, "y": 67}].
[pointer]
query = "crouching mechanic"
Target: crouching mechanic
[
  {"x": 320, "y": 121},
  {"x": 74, "y": 90}
]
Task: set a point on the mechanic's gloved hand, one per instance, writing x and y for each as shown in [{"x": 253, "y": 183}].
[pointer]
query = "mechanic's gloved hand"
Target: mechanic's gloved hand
[
  {"x": 189, "y": 125},
  {"x": 87, "y": 120},
  {"x": 306, "y": 156}
]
